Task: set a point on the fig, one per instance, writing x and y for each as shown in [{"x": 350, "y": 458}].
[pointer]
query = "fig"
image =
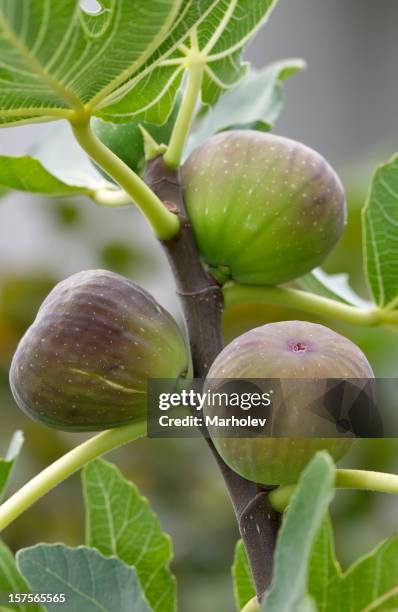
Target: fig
[
  {"x": 264, "y": 209},
  {"x": 305, "y": 357},
  {"x": 84, "y": 363},
  {"x": 126, "y": 139}
]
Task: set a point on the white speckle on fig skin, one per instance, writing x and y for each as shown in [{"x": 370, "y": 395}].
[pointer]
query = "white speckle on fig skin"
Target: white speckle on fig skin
[{"x": 262, "y": 184}]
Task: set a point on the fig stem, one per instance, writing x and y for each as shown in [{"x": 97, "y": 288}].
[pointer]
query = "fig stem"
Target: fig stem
[
  {"x": 195, "y": 63},
  {"x": 65, "y": 466},
  {"x": 165, "y": 224},
  {"x": 309, "y": 302},
  {"x": 363, "y": 480}
]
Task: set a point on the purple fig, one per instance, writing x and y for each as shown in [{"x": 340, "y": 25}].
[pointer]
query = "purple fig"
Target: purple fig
[
  {"x": 264, "y": 209},
  {"x": 304, "y": 356},
  {"x": 84, "y": 363}
]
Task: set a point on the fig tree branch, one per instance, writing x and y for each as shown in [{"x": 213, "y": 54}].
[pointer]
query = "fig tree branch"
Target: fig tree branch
[
  {"x": 308, "y": 302},
  {"x": 58, "y": 471},
  {"x": 202, "y": 302},
  {"x": 164, "y": 223},
  {"x": 345, "y": 479}
]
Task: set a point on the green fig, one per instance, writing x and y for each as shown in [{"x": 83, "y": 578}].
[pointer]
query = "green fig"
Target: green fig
[
  {"x": 264, "y": 209},
  {"x": 126, "y": 139},
  {"x": 303, "y": 355},
  {"x": 84, "y": 363}
]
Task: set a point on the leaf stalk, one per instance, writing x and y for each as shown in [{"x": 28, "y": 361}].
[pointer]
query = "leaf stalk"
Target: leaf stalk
[
  {"x": 308, "y": 302},
  {"x": 165, "y": 223},
  {"x": 58, "y": 471},
  {"x": 195, "y": 62},
  {"x": 363, "y": 480}
]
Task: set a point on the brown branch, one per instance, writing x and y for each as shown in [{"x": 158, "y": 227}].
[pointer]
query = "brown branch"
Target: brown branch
[{"x": 202, "y": 302}]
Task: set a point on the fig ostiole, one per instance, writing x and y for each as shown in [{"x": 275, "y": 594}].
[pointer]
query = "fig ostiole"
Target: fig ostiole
[
  {"x": 265, "y": 209},
  {"x": 303, "y": 355},
  {"x": 84, "y": 363}
]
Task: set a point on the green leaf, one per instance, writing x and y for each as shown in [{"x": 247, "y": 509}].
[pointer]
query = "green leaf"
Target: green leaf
[
  {"x": 389, "y": 601},
  {"x": 332, "y": 286},
  {"x": 242, "y": 577},
  {"x": 90, "y": 581},
  {"x": 223, "y": 36},
  {"x": 11, "y": 580},
  {"x": 255, "y": 102},
  {"x": 223, "y": 27},
  {"x": 151, "y": 100},
  {"x": 120, "y": 523},
  {"x": 302, "y": 521},
  {"x": 324, "y": 569},
  {"x": 123, "y": 63},
  {"x": 57, "y": 57},
  {"x": 380, "y": 236},
  {"x": 7, "y": 464},
  {"x": 151, "y": 95},
  {"x": 28, "y": 174},
  {"x": 369, "y": 584}
]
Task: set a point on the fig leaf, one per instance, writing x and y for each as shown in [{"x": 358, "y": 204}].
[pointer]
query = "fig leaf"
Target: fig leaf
[
  {"x": 89, "y": 580},
  {"x": 7, "y": 464},
  {"x": 28, "y": 174},
  {"x": 380, "y": 220},
  {"x": 120, "y": 523},
  {"x": 333, "y": 286},
  {"x": 223, "y": 29},
  {"x": 255, "y": 103},
  {"x": 301, "y": 524},
  {"x": 223, "y": 35},
  {"x": 242, "y": 577},
  {"x": 11, "y": 580},
  {"x": 373, "y": 577},
  {"x": 59, "y": 58}
]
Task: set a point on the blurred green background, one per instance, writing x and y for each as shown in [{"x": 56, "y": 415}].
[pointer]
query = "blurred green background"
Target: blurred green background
[{"x": 352, "y": 122}]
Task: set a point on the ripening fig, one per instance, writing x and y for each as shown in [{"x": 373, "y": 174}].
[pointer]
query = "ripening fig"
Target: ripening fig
[
  {"x": 303, "y": 355},
  {"x": 84, "y": 363},
  {"x": 264, "y": 209}
]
